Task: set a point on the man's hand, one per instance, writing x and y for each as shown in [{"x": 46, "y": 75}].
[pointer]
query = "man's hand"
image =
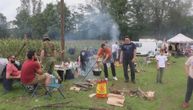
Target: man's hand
[
  {"x": 104, "y": 61},
  {"x": 120, "y": 61},
  {"x": 133, "y": 60}
]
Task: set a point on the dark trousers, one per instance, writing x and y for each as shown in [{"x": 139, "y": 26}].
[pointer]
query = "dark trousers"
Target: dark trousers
[
  {"x": 189, "y": 89},
  {"x": 106, "y": 69},
  {"x": 159, "y": 75},
  {"x": 125, "y": 69},
  {"x": 114, "y": 56}
]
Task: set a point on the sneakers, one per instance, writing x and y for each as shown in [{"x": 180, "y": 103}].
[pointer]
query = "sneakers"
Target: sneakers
[
  {"x": 133, "y": 81},
  {"x": 126, "y": 81},
  {"x": 185, "y": 105},
  {"x": 115, "y": 78}
]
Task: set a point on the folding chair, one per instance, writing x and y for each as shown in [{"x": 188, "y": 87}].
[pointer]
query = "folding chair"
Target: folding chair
[
  {"x": 34, "y": 88},
  {"x": 51, "y": 86},
  {"x": 54, "y": 85}
]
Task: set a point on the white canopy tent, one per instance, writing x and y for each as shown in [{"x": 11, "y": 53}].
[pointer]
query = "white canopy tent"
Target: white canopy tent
[{"x": 180, "y": 38}]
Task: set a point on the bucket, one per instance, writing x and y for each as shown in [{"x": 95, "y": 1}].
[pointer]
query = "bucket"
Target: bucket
[{"x": 96, "y": 72}]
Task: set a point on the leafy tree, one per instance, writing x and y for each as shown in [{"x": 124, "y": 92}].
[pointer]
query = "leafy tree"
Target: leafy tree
[{"x": 3, "y": 26}]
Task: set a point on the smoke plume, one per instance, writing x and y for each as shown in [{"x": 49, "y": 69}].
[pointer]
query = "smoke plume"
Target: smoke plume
[{"x": 95, "y": 25}]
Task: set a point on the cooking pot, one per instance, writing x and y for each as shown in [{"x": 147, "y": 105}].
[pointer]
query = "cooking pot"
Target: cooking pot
[{"x": 96, "y": 72}]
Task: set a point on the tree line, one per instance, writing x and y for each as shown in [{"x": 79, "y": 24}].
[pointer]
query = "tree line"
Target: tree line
[{"x": 136, "y": 18}]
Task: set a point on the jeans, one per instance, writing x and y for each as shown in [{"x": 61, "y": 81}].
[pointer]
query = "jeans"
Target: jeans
[
  {"x": 106, "y": 69},
  {"x": 125, "y": 69},
  {"x": 189, "y": 89},
  {"x": 159, "y": 75},
  {"x": 114, "y": 56}
]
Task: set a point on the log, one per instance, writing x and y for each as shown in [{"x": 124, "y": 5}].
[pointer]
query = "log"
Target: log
[
  {"x": 116, "y": 100},
  {"x": 74, "y": 88},
  {"x": 55, "y": 105},
  {"x": 81, "y": 85}
]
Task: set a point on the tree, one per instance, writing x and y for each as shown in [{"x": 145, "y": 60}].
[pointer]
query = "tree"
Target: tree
[
  {"x": 30, "y": 19},
  {"x": 3, "y": 27},
  {"x": 23, "y": 23}
]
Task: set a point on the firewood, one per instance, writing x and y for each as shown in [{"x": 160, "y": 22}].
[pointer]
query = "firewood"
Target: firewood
[
  {"x": 116, "y": 100},
  {"x": 82, "y": 86}
]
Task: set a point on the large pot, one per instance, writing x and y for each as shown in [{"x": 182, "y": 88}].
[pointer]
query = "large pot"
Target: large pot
[{"x": 96, "y": 72}]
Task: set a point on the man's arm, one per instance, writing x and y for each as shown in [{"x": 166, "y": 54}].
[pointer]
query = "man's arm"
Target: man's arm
[
  {"x": 121, "y": 57},
  {"x": 42, "y": 56},
  {"x": 186, "y": 69},
  {"x": 134, "y": 55},
  {"x": 39, "y": 69}
]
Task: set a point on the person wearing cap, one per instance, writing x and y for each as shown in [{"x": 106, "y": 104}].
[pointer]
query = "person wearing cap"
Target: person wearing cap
[
  {"x": 106, "y": 54},
  {"x": 189, "y": 74},
  {"x": 47, "y": 56}
]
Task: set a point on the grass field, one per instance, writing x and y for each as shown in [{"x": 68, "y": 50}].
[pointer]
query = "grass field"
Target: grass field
[{"x": 169, "y": 95}]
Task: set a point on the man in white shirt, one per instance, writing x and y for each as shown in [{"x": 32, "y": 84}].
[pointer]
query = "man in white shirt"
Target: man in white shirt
[
  {"x": 115, "y": 50},
  {"x": 161, "y": 65},
  {"x": 189, "y": 74}
]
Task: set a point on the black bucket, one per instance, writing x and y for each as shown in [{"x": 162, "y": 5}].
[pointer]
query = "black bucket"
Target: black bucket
[{"x": 96, "y": 72}]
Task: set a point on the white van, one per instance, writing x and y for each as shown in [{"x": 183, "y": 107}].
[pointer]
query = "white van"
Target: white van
[{"x": 146, "y": 47}]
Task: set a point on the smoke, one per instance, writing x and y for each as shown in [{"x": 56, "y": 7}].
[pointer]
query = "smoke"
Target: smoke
[{"x": 95, "y": 25}]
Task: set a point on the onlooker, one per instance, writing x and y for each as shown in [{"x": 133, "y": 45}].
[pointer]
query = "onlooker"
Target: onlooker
[
  {"x": 31, "y": 71},
  {"x": 189, "y": 74},
  {"x": 106, "y": 54},
  {"x": 161, "y": 64},
  {"x": 127, "y": 57},
  {"x": 48, "y": 54},
  {"x": 83, "y": 59},
  {"x": 115, "y": 51},
  {"x": 11, "y": 70}
]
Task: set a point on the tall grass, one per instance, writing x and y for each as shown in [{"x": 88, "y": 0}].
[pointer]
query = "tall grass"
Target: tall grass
[{"x": 13, "y": 47}]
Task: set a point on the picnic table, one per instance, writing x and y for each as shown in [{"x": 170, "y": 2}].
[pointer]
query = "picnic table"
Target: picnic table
[{"x": 65, "y": 68}]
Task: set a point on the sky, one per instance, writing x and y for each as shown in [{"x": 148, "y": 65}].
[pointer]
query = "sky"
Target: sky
[{"x": 8, "y": 7}]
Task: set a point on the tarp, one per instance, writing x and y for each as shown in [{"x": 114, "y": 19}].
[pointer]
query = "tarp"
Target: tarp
[
  {"x": 3, "y": 62},
  {"x": 180, "y": 38}
]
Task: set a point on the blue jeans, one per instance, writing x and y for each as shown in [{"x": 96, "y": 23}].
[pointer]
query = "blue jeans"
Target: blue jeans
[{"x": 125, "y": 69}]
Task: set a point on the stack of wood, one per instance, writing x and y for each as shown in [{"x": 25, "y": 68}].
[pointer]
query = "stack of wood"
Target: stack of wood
[
  {"x": 149, "y": 95},
  {"x": 116, "y": 100},
  {"x": 82, "y": 86}
]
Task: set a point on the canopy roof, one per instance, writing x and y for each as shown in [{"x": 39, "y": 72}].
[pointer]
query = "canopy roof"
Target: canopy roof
[{"x": 180, "y": 38}]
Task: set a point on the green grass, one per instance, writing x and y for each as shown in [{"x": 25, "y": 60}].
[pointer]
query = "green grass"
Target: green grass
[{"x": 169, "y": 96}]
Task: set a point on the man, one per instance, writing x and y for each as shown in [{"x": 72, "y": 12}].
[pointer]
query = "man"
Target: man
[
  {"x": 12, "y": 71},
  {"x": 48, "y": 57},
  {"x": 115, "y": 51},
  {"x": 127, "y": 57},
  {"x": 83, "y": 59},
  {"x": 31, "y": 71},
  {"x": 189, "y": 74},
  {"x": 106, "y": 54}
]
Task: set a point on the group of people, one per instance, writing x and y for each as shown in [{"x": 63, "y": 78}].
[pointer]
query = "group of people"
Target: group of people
[
  {"x": 33, "y": 70},
  {"x": 127, "y": 58}
]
